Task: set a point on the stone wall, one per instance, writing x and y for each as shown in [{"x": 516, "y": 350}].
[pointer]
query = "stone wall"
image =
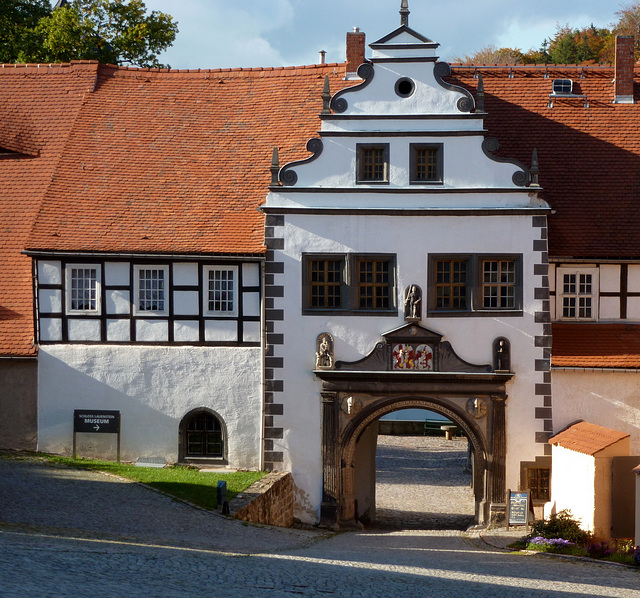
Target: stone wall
[{"x": 269, "y": 501}]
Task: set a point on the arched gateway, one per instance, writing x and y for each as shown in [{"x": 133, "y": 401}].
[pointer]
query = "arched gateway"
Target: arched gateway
[{"x": 413, "y": 367}]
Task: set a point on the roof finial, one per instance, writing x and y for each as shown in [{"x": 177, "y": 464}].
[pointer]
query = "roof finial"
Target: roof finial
[
  {"x": 535, "y": 169},
  {"x": 404, "y": 13},
  {"x": 326, "y": 96},
  {"x": 275, "y": 168},
  {"x": 480, "y": 94}
]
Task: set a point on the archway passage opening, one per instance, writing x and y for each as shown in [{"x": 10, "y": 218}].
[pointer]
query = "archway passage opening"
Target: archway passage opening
[{"x": 423, "y": 472}]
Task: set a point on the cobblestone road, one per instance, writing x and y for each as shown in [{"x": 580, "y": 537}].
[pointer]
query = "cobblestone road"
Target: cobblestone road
[{"x": 73, "y": 534}]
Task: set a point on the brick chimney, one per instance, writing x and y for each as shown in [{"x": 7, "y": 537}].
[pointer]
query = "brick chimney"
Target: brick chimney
[
  {"x": 623, "y": 81},
  {"x": 355, "y": 50}
]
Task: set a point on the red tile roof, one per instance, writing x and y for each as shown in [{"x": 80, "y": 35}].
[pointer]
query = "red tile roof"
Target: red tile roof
[
  {"x": 178, "y": 161},
  {"x": 38, "y": 106},
  {"x": 586, "y": 438},
  {"x": 596, "y": 345},
  {"x": 140, "y": 161},
  {"x": 589, "y": 157}
]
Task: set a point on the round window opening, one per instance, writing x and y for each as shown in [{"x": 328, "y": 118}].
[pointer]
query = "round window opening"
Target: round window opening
[{"x": 405, "y": 87}]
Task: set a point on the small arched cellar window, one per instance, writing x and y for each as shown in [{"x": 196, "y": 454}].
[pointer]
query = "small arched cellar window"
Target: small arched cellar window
[{"x": 202, "y": 436}]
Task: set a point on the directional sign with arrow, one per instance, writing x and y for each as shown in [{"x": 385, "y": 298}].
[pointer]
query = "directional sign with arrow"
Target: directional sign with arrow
[{"x": 101, "y": 422}]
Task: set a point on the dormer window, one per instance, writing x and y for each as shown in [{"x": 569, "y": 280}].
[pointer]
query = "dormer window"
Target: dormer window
[
  {"x": 372, "y": 163},
  {"x": 562, "y": 86}
]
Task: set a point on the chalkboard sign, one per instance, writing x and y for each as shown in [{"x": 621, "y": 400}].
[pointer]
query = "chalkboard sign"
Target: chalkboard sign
[{"x": 518, "y": 507}]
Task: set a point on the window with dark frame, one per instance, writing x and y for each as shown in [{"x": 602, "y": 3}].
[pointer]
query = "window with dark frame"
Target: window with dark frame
[
  {"x": 326, "y": 283},
  {"x": 348, "y": 283},
  {"x": 451, "y": 284},
  {"x": 498, "y": 284},
  {"x": 426, "y": 163},
  {"x": 468, "y": 284},
  {"x": 539, "y": 482},
  {"x": 372, "y": 163},
  {"x": 374, "y": 284},
  {"x": 204, "y": 436}
]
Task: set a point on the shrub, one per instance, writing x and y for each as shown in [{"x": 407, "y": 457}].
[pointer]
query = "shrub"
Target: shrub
[
  {"x": 560, "y": 525},
  {"x": 599, "y": 550}
]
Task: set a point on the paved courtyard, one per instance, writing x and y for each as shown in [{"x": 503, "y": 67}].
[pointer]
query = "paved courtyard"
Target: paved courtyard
[
  {"x": 423, "y": 483},
  {"x": 65, "y": 533}
]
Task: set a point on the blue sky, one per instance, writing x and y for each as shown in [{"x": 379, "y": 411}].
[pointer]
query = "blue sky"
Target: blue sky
[{"x": 233, "y": 33}]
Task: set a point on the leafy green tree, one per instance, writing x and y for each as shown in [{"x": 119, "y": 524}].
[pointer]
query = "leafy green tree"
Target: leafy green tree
[
  {"x": 575, "y": 46},
  {"x": 18, "y": 18},
  {"x": 111, "y": 31}
]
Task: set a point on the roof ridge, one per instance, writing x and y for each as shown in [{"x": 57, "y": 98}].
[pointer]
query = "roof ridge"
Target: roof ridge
[{"x": 225, "y": 70}]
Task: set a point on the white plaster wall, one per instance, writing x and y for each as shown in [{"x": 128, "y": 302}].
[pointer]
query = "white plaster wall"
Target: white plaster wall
[
  {"x": 153, "y": 388},
  {"x": 610, "y": 278},
  {"x": 465, "y": 165},
  {"x": 606, "y": 398},
  {"x": 573, "y": 484},
  {"x": 412, "y": 239},
  {"x": 379, "y": 96}
]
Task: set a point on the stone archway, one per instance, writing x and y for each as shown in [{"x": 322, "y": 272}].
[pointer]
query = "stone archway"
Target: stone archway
[
  {"x": 355, "y": 394},
  {"x": 353, "y": 493}
]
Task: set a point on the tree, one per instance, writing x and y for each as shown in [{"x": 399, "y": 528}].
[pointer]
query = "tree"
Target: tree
[
  {"x": 575, "y": 46},
  {"x": 493, "y": 55},
  {"x": 111, "y": 31},
  {"x": 629, "y": 24},
  {"x": 18, "y": 19}
]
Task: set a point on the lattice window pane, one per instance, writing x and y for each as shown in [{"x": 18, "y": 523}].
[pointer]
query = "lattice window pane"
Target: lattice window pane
[
  {"x": 221, "y": 291},
  {"x": 151, "y": 289},
  {"x": 84, "y": 289},
  {"x": 451, "y": 284},
  {"x": 326, "y": 283}
]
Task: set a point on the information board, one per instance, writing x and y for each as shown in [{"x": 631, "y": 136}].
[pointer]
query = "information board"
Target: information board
[
  {"x": 97, "y": 422},
  {"x": 90, "y": 421},
  {"x": 518, "y": 507}
]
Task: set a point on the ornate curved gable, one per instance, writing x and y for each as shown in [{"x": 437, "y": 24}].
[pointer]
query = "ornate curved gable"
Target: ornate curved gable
[{"x": 413, "y": 348}]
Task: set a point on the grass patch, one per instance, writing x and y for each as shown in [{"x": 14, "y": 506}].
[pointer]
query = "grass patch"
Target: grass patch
[{"x": 186, "y": 483}]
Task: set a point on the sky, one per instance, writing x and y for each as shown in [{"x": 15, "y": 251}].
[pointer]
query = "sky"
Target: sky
[{"x": 250, "y": 33}]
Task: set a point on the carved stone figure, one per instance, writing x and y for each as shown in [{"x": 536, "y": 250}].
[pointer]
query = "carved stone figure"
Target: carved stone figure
[
  {"x": 324, "y": 351},
  {"x": 412, "y": 303},
  {"x": 501, "y": 355}
]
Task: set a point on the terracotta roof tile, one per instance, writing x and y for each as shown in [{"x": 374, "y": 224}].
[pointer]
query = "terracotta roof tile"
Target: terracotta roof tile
[
  {"x": 174, "y": 162},
  {"x": 587, "y": 438},
  {"x": 596, "y": 345},
  {"x": 38, "y": 106},
  {"x": 589, "y": 157},
  {"x": 141, "y": 161}
]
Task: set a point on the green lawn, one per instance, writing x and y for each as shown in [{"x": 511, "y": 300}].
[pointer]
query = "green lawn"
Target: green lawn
[{"x": 182, "y": 482}]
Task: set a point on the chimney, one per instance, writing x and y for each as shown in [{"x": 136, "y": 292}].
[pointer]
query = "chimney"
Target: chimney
[
  {"x": 355, "y": 50},
  {"x": 623, "y": 82},
  {"x": 322, "y": 58}
]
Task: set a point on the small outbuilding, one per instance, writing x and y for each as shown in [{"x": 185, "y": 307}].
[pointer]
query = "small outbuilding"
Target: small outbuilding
[{"x": 584, "y": 457}]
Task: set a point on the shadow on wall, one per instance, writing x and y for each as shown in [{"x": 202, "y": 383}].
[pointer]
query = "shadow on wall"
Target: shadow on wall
[{"x": 145, "y": 430}]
